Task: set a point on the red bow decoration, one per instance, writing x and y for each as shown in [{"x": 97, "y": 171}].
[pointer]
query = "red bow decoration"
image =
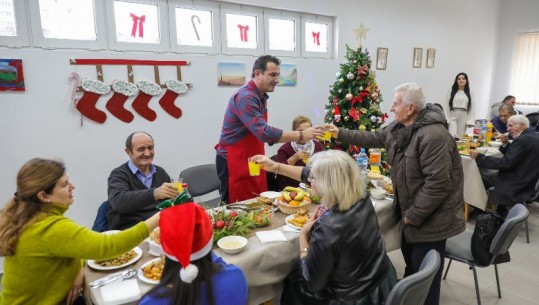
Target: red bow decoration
[
  {"x": 360, "y": 97},
  {"x": 362, "y": 70},
  {"x": 354, "y": 148},
  {"x": 384, "y": 117},
  {"x": 243, "y": 32},
  {"x": 140, "y": 20},
  {"x": 355, "y": 114},
  {"x": 316, "y": 38}
]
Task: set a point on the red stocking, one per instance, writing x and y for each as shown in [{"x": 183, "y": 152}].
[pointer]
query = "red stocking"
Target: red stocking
[
  {"x": 86, "y": 105},
  {"x": 140, "y": 104},
  {"x": 115, "y": 105},
  {"x": 174, "y": 88}
]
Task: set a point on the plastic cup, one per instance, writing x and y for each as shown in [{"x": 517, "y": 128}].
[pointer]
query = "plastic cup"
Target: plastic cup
[
  {"x": 178, "y": 185},
  {"x": 327, "y": 136},
  {"x": 254, "y": 168},
  {"x": 306, "y": 160}
]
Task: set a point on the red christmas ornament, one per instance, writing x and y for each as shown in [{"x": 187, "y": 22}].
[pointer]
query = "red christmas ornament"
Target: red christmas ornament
[
  {"x": 93, "y": 89},
  {"x": 115, "y": 105}
]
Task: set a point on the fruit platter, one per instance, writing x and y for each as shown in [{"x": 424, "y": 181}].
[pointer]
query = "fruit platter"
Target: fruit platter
[{"x": 293, "y": 198}]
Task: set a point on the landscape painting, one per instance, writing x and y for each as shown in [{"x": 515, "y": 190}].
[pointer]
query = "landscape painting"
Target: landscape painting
[
  {"x": 230, "y": 74},
  {"x": 289, "y": 75}
]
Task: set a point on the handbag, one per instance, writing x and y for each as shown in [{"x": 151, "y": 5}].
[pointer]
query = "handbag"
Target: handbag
[{"x": 486, "y": 227}]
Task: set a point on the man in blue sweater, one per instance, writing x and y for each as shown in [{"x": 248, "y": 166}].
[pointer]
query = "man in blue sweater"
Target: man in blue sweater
[{"x": 136, "y": 187}]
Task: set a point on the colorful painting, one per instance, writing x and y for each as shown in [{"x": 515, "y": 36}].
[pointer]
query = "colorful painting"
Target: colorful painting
[
  {"x": 230, "y": 74},
  {"x": 289, "y": 75},
  {"x": 11, "y": 75}
]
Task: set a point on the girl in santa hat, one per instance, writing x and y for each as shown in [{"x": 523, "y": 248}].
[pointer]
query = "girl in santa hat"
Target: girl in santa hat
[{"x": 193, "y": 274}]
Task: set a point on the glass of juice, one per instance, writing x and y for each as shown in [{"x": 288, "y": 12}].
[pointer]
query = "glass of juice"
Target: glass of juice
[{"x": 254, "y": 168}]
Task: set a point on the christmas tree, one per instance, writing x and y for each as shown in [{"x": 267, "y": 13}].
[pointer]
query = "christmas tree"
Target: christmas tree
[{"x": 354, "y": 100}]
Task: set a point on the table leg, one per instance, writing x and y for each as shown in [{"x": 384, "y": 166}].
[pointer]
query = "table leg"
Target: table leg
[{"x": 466, "y": 211}]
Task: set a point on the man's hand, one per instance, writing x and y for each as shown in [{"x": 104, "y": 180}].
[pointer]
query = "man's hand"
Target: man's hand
[
  {"x": 504, "y": 138},
  {"x": 474, "y": 154},
  {"x": 312, "y": 132},
  {"x": 333, "y": 129},
  {"x": 165, "y": 191}
]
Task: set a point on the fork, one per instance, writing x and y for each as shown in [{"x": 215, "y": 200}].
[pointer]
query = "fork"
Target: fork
[{"x": 126, "y": 274}]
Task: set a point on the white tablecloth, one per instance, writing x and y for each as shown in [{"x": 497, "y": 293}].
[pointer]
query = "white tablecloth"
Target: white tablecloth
[
  {"x": 266, "y": 265},
  {"x": 474, "y": 190}
]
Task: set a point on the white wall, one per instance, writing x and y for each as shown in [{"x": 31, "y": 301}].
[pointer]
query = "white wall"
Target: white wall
[
  {"x": 519, "y": 16},
  {"x": 42, "y": 121}
]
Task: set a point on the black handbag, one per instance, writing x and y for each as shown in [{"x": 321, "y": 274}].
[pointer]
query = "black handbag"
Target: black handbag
[{"x": 486, "y": 227}]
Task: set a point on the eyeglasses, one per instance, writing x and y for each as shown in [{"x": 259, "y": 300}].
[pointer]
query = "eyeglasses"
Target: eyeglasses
[{"x": 311, "y": 178}]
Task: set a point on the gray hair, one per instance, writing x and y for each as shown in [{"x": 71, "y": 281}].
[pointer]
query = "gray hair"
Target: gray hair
[
  {"x": 521, "y": 120},
  {"x": 412, "y": 94},
  {"x": 337, "y": 178}
]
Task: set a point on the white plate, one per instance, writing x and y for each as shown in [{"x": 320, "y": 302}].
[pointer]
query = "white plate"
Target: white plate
[
  {"x": 495, "y": 143},
  {"x": 270, "y": 195},
  {"x": 96, "y": 266},
  {"x": 140, "y": 273},
  {"x": 290, "y": 224}
]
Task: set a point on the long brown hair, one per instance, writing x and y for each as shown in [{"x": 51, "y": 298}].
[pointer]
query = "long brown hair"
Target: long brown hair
[{"x": 34, "y": 176}]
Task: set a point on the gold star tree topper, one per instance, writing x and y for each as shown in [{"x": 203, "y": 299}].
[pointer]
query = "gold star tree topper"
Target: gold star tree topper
[{"x": 361, "y": 32}]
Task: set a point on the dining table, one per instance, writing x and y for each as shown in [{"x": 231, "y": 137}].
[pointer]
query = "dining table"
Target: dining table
[
  {"x": 265, "y": 265},
  {"x": 475, "y": 193}
]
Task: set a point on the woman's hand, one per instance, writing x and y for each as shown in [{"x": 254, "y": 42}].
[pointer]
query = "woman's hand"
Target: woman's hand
[
  {"x": 267, "y": 164},
  {"x": 309, "y": 224},
  {"x": 76, "y": 289},
  {"x": 333, "y": 129}
]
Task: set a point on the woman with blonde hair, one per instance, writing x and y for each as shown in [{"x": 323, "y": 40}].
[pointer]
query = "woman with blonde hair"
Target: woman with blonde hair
[
  {"x": 44, "y": 250},
  {"x": 342, "y": 255},
  {"x": 299, "y": 152}
]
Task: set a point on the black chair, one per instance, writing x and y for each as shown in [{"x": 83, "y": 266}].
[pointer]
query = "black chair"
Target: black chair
[
  {"x": 202, "y": 180},
  {"x": 534, "y": 120},
  {"x": 459, "y": 247},
  {"x": 413, "y": 290},
  {"x": 100, "y": 222}
]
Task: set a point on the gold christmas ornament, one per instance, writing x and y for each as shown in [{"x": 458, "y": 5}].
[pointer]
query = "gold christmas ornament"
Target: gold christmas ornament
[{"x": 362, "y": 127}]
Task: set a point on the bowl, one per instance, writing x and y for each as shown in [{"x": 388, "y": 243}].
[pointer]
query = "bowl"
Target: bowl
[
  {"x": 270, "y": 195},
  {"x": 232, "y": 244},
  {"x": 378, "y": 193}
]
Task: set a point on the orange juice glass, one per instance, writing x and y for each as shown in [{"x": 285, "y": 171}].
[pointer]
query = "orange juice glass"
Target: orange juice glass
[
  {"x": 254, "y": 168},
  {"x": 327, "y": 136}
]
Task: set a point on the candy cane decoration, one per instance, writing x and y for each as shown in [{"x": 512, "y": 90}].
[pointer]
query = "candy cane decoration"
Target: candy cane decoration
[{"x": 194, "y": 26}]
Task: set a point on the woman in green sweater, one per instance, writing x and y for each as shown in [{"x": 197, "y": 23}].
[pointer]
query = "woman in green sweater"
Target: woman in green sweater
[{"x": 44, "y": 250}]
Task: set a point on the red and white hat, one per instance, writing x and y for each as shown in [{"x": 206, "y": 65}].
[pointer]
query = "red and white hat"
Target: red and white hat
[{"x": 186, "y": 236}]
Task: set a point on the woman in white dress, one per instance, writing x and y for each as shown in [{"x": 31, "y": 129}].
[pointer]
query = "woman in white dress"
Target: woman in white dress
[{"x": 460, "y": 104}]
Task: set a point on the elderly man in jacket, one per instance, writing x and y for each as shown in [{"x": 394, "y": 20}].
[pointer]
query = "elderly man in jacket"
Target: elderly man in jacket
[
  {"x": 426, "y": 174},
  {"x": 518, "y": 172}
]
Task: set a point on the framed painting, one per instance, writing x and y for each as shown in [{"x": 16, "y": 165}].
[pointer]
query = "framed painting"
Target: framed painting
[
  {"x": 11, "y": 75},
  {"x": 431, "y": 54},
  {"x": 418, "y": 55},
  {"x": 381, "y": 58}
]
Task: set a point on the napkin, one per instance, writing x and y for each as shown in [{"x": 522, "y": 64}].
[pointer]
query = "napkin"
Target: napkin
[
  {"x": 288, "y": 228},
  {"x": 120, "y": 292},
  {"x": 270, "y": 236}
]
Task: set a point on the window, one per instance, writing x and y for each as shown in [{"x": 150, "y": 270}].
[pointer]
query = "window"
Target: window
[
  {"x": 242, "y": 30},
  {"x": 13, "y": 30},
  {"x": 65, "y": 23},
  {"x": 525, "y": 76},
  {"x": 137, "y": 25},
  {"x": 317, "y": 36},
  {"x": 282, "y": 33},
  {"x": 195, "y": 27}
]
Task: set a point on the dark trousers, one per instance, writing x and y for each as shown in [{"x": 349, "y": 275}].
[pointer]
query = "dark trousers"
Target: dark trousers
[
  {"x": 413, "y": 256},
  {"x": 222, "y": 172}
]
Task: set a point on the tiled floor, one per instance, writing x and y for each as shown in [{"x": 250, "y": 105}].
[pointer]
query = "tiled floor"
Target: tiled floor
[{"x": 519, "y": 279}]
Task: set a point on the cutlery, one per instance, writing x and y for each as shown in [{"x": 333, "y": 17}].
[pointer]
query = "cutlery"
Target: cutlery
[{"x": 126, "y": 274}]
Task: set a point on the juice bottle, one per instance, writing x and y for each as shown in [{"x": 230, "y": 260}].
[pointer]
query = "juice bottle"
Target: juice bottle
[{"x": 488, "y": 137}]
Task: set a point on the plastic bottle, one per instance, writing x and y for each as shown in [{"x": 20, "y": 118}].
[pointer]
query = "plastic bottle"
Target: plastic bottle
[
  {"x": 362, "y": 160},
  {"x": 490, "y": 127},
  {"x": 186, "y": 190}
]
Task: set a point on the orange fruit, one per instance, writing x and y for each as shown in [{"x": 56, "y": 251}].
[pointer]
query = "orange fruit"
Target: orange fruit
[
  {"x": 307, "y": 199},
  {"x": 281, "y": 199},
  {"x": 294, "y": 203}
]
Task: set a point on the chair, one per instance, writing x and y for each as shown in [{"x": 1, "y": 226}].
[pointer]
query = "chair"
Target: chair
[
  {"x": 459, "y": 247},
  {"x": 413, "y": 290},
  {"x": 533, "y": 117},
  {"x": 100, "y": 222},
  {"x": 202, "y": 180}
]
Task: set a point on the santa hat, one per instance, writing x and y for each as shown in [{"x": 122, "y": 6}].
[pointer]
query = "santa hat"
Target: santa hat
[{"x": 186, "y": 236}]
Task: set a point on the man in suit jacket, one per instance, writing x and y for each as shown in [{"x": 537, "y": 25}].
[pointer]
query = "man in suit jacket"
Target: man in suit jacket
[{"x": 518, "y": 168}]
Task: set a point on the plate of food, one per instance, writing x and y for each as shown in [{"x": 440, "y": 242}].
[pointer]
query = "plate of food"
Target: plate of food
[
  {"x": 118, "y": 262},
  {"x": 270, "y": 195},
  {"x": 151, "y": 271},
  {"x": 296, "y": 221}
]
